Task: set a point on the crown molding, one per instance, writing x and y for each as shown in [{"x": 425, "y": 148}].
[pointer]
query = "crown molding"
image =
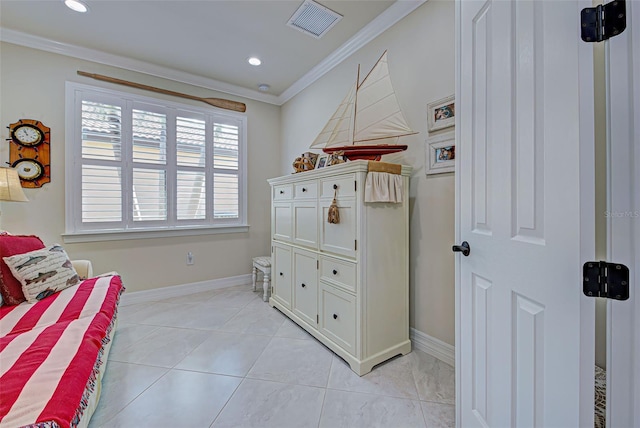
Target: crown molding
[
  {"x": 380, "y": 24},
  {"x": 48, "y": 45}
]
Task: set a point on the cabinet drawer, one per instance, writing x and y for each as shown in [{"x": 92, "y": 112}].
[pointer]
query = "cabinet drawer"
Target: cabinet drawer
[
  {"x": 345, "y": 186},
  {"x": 282, "y": 192},
  {"x": 338, "y": 317},
  {"x": 305, "y": 190},
  {"x": 338, "y": 272}
]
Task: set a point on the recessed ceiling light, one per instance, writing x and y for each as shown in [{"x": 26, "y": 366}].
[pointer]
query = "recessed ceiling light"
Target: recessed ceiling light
[
  {"x": 77, "y": 5},
  {"x": 254, "y": 61},
  {"x": 264, "y": 87}
]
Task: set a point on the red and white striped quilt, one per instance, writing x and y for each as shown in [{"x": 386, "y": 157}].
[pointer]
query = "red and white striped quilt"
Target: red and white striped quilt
[{"x": 50, "y": 352}]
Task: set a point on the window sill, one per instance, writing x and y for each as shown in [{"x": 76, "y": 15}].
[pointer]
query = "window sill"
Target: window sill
[{"x": 120, "y": 235}]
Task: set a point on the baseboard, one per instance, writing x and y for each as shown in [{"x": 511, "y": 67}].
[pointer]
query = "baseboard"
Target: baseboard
[
  {"x": 146, "y": 296},
  {"x": 434, "y": 347}
]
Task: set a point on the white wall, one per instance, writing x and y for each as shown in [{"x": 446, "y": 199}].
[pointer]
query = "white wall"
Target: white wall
[
  {"x": 32, "y": 86},
  {"x": 421, "y": 62}
]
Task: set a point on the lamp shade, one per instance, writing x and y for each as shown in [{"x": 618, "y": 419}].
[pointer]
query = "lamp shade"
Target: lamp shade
[{"x": 10, "y": 187}]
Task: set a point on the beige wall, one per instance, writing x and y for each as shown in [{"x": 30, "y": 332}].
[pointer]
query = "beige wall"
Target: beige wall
[
  {"x": 32, "y": 86},
  {"x": 421, "y": 61}
]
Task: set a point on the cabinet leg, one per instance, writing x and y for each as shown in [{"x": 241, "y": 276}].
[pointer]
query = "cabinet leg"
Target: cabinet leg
[
  {"x": 254, "y": 273},
  {"x": 265, "y": 285}
]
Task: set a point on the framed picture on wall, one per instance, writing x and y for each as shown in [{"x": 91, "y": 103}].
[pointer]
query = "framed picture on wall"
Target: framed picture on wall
[
  {"x": 441, "y": 154},
  {"x": 441, "y": 114}
]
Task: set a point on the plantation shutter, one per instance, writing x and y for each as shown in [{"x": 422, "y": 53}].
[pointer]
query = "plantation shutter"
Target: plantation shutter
[
  {"x": 190, "y": 177},
  {"x": 226, "y": 166},
  {"x": 149, "y": 156},
  {"x": 101, "y": 151}
]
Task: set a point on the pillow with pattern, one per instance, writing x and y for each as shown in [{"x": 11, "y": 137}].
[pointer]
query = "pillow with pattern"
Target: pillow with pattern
[
  {"x": 10, "y": 245},
  {"x": 43, "y": 272}
]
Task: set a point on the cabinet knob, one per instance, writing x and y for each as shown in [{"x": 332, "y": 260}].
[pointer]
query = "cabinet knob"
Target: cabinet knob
[
  {"x": 335, "y": 316},
  {"x": 281, "y": 274},
  {"x": 335, "y": 272},
  {"x": 335, "y": 187},
  {"x": 303, "y": 285},
  {"x": 282, "y": 192},
  {"x": 304, "y": 189}
]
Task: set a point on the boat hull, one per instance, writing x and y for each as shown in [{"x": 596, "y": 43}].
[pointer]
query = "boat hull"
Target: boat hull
[{"x": 370, "y": 152}]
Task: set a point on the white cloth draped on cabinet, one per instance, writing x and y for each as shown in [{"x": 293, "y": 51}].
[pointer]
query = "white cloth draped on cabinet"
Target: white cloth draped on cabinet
[{"x": 383, "y": 187}]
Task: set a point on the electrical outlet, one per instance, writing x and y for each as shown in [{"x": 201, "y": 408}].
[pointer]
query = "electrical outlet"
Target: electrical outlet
[{"x": 190, "y": 259}]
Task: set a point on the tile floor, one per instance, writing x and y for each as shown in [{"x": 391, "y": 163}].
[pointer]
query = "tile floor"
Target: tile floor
[{"x": 224, "y": 358}]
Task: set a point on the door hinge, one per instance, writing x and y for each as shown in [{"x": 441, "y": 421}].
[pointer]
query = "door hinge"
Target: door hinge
[
  {"x": 603, "y": 21},
  {"x": 602, "y": 279}
]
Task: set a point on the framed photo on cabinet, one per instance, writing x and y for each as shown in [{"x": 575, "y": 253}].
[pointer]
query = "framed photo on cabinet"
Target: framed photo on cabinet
[{"x": 322, "y": 161}]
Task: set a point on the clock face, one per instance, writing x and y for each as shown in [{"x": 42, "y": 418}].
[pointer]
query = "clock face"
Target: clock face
[
  {"x": 27, "y": 135},
  {"x": 29, "y": 169}
]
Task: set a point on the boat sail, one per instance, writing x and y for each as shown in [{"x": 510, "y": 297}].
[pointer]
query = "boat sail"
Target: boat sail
[{"x": 367, "y": 119}]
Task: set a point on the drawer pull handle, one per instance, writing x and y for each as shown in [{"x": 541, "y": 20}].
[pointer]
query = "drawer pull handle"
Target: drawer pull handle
[
  {"x": 335, "y": 316},
  {"x": 281, "y": 274},
  {"x": 282, "y": 192},
  {"x": 335, "y": 272},
  {"x": 304, "y": 189},
  {"x": 303, "y": 285}
]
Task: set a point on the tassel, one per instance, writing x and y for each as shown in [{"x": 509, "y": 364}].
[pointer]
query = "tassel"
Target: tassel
[{"x": 333, "y": 215}]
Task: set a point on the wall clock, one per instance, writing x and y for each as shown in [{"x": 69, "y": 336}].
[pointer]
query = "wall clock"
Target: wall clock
[{"x": 29, "y": 152}]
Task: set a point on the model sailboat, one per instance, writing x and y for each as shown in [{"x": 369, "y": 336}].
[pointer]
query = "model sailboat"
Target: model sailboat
[{"x": 367, "y": 120}]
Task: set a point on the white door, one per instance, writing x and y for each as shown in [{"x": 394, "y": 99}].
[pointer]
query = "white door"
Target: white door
[
  {"x": 623, "y": 207},
  {"x": 525, "y": 204}
]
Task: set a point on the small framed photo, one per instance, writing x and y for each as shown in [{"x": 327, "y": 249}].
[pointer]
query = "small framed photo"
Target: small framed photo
[
  {"x": 441, "y": 154},
  {"x": 441, "y": 114},
  {"x": 322, "y": 161}
]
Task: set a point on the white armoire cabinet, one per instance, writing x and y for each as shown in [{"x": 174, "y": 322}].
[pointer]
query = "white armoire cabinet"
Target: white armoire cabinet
[{"x": 347, "y": 284}]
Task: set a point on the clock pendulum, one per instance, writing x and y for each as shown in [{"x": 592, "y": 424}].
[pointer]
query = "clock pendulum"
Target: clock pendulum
[{"x": 29, "y": 152}]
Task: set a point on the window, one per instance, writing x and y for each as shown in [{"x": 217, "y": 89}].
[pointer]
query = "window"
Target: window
[{"x": 140, "y": 164}]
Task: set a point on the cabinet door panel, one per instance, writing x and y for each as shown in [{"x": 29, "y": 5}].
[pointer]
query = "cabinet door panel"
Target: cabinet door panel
[
  {"x": 339, "y": 238},
  {"x": 281, "y": 274},
  {"x": 305, "y": 224},
  {"x": 282, "y": 222},
  {"x": 338, "y": 317},
  {"x": 305, "y": 287}
]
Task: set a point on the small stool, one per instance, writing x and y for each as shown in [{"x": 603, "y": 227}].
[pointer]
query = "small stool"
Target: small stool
[{"x": 262, "y": 264}]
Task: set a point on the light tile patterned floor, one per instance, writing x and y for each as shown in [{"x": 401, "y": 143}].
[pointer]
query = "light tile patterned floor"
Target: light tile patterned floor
[{"x": 224, "y": 358}]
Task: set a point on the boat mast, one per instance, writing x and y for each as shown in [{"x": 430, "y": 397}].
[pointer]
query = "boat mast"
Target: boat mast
[{"x": 355, "y": 107}]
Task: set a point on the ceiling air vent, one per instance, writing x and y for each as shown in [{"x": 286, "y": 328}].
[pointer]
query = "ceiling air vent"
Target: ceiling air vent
[{"x": 314, "y": 19}]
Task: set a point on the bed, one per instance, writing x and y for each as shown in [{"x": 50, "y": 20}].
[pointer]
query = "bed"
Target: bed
[{"x": 53, "y": 354}]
